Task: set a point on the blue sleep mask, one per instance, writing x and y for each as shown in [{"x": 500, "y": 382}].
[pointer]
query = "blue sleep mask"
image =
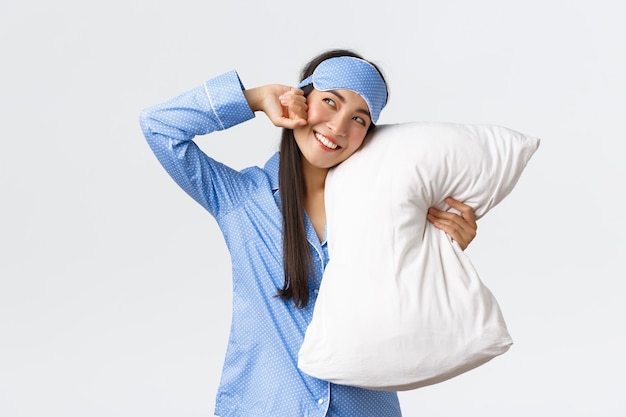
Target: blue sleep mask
[{"x": 354, "y": 74}]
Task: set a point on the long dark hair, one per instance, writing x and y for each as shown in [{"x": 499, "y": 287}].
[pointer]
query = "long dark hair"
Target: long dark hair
[{"x": 296, "y": 253}]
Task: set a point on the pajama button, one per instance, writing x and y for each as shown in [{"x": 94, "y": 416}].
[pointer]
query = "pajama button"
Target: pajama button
[{"x": 320, "y": 401}]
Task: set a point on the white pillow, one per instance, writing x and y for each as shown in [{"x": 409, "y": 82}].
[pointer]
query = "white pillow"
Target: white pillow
[{"x": 401, "y": 305}]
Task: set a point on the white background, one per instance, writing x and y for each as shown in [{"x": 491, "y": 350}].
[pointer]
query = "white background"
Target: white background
[{"x": 115, "y": 286}]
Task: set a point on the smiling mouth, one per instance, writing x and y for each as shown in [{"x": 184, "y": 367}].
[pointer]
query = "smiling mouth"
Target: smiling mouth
[{"x": 325, "y": 141}]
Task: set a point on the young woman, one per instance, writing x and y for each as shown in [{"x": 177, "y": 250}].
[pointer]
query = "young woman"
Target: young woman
[{"x": 273, "y": 220}]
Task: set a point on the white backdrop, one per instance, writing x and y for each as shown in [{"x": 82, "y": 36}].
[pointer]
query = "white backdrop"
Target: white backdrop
[{"x": 115, "y": 286}]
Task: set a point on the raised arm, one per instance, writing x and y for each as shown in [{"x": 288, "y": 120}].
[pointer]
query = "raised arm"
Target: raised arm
[
  {"x": 170, "y": 127},
  {"x": 220, "y": 103}
]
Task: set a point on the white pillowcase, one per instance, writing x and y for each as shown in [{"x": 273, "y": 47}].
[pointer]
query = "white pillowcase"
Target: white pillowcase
[{"x": 401, "y": 306}]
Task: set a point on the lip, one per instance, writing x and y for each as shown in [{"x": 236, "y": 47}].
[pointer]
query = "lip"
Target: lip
[{"x": 323, "y": 138}]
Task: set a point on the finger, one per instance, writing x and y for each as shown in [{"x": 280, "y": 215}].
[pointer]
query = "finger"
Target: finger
[
  {"x": 295, "y": 105},
  {"x": 288, "y": 122},
  {"x": 450, "y": 221},
  {"x": 298, "y": 110},
  {"x": 461, "y": 230},
  {"x": 280, "y": 118},
  {"x": 466, "y": 211},
  {"x": 459, "y": 235},
  {"x": 292, "y": 95},
  {"x": 447, "y": 216}
]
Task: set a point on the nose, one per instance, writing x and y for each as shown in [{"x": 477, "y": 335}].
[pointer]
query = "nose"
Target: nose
[{"x": 339, "y": 124}]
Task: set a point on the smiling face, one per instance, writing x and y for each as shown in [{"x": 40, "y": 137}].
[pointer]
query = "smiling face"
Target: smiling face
[{"x": 337, "y": 123}]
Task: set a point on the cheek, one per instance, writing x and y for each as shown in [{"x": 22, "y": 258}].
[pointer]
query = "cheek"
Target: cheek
[
  {"x": 316, "y": 113},
  {"x": 356, "y": 138},
  {"x": 313, "y": 115}
]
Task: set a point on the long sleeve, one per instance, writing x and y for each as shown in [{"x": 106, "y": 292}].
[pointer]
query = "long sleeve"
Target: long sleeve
[{"x": 170, "y": 128}]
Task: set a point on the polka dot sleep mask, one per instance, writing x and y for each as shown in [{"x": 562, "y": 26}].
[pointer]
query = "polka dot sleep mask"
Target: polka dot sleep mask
[{"x": 354, "y": 74}]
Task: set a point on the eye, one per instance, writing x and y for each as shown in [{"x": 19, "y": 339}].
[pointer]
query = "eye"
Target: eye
[
  {"x": 330, "y": 101},
  {"x": 360, "y": 120}
]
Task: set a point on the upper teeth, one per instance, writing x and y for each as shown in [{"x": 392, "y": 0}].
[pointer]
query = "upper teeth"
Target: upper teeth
[{"x": 325, "y": 141}]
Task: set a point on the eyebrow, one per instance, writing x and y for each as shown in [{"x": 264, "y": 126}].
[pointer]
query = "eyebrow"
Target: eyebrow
[{"x": 343, "y": 100}]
